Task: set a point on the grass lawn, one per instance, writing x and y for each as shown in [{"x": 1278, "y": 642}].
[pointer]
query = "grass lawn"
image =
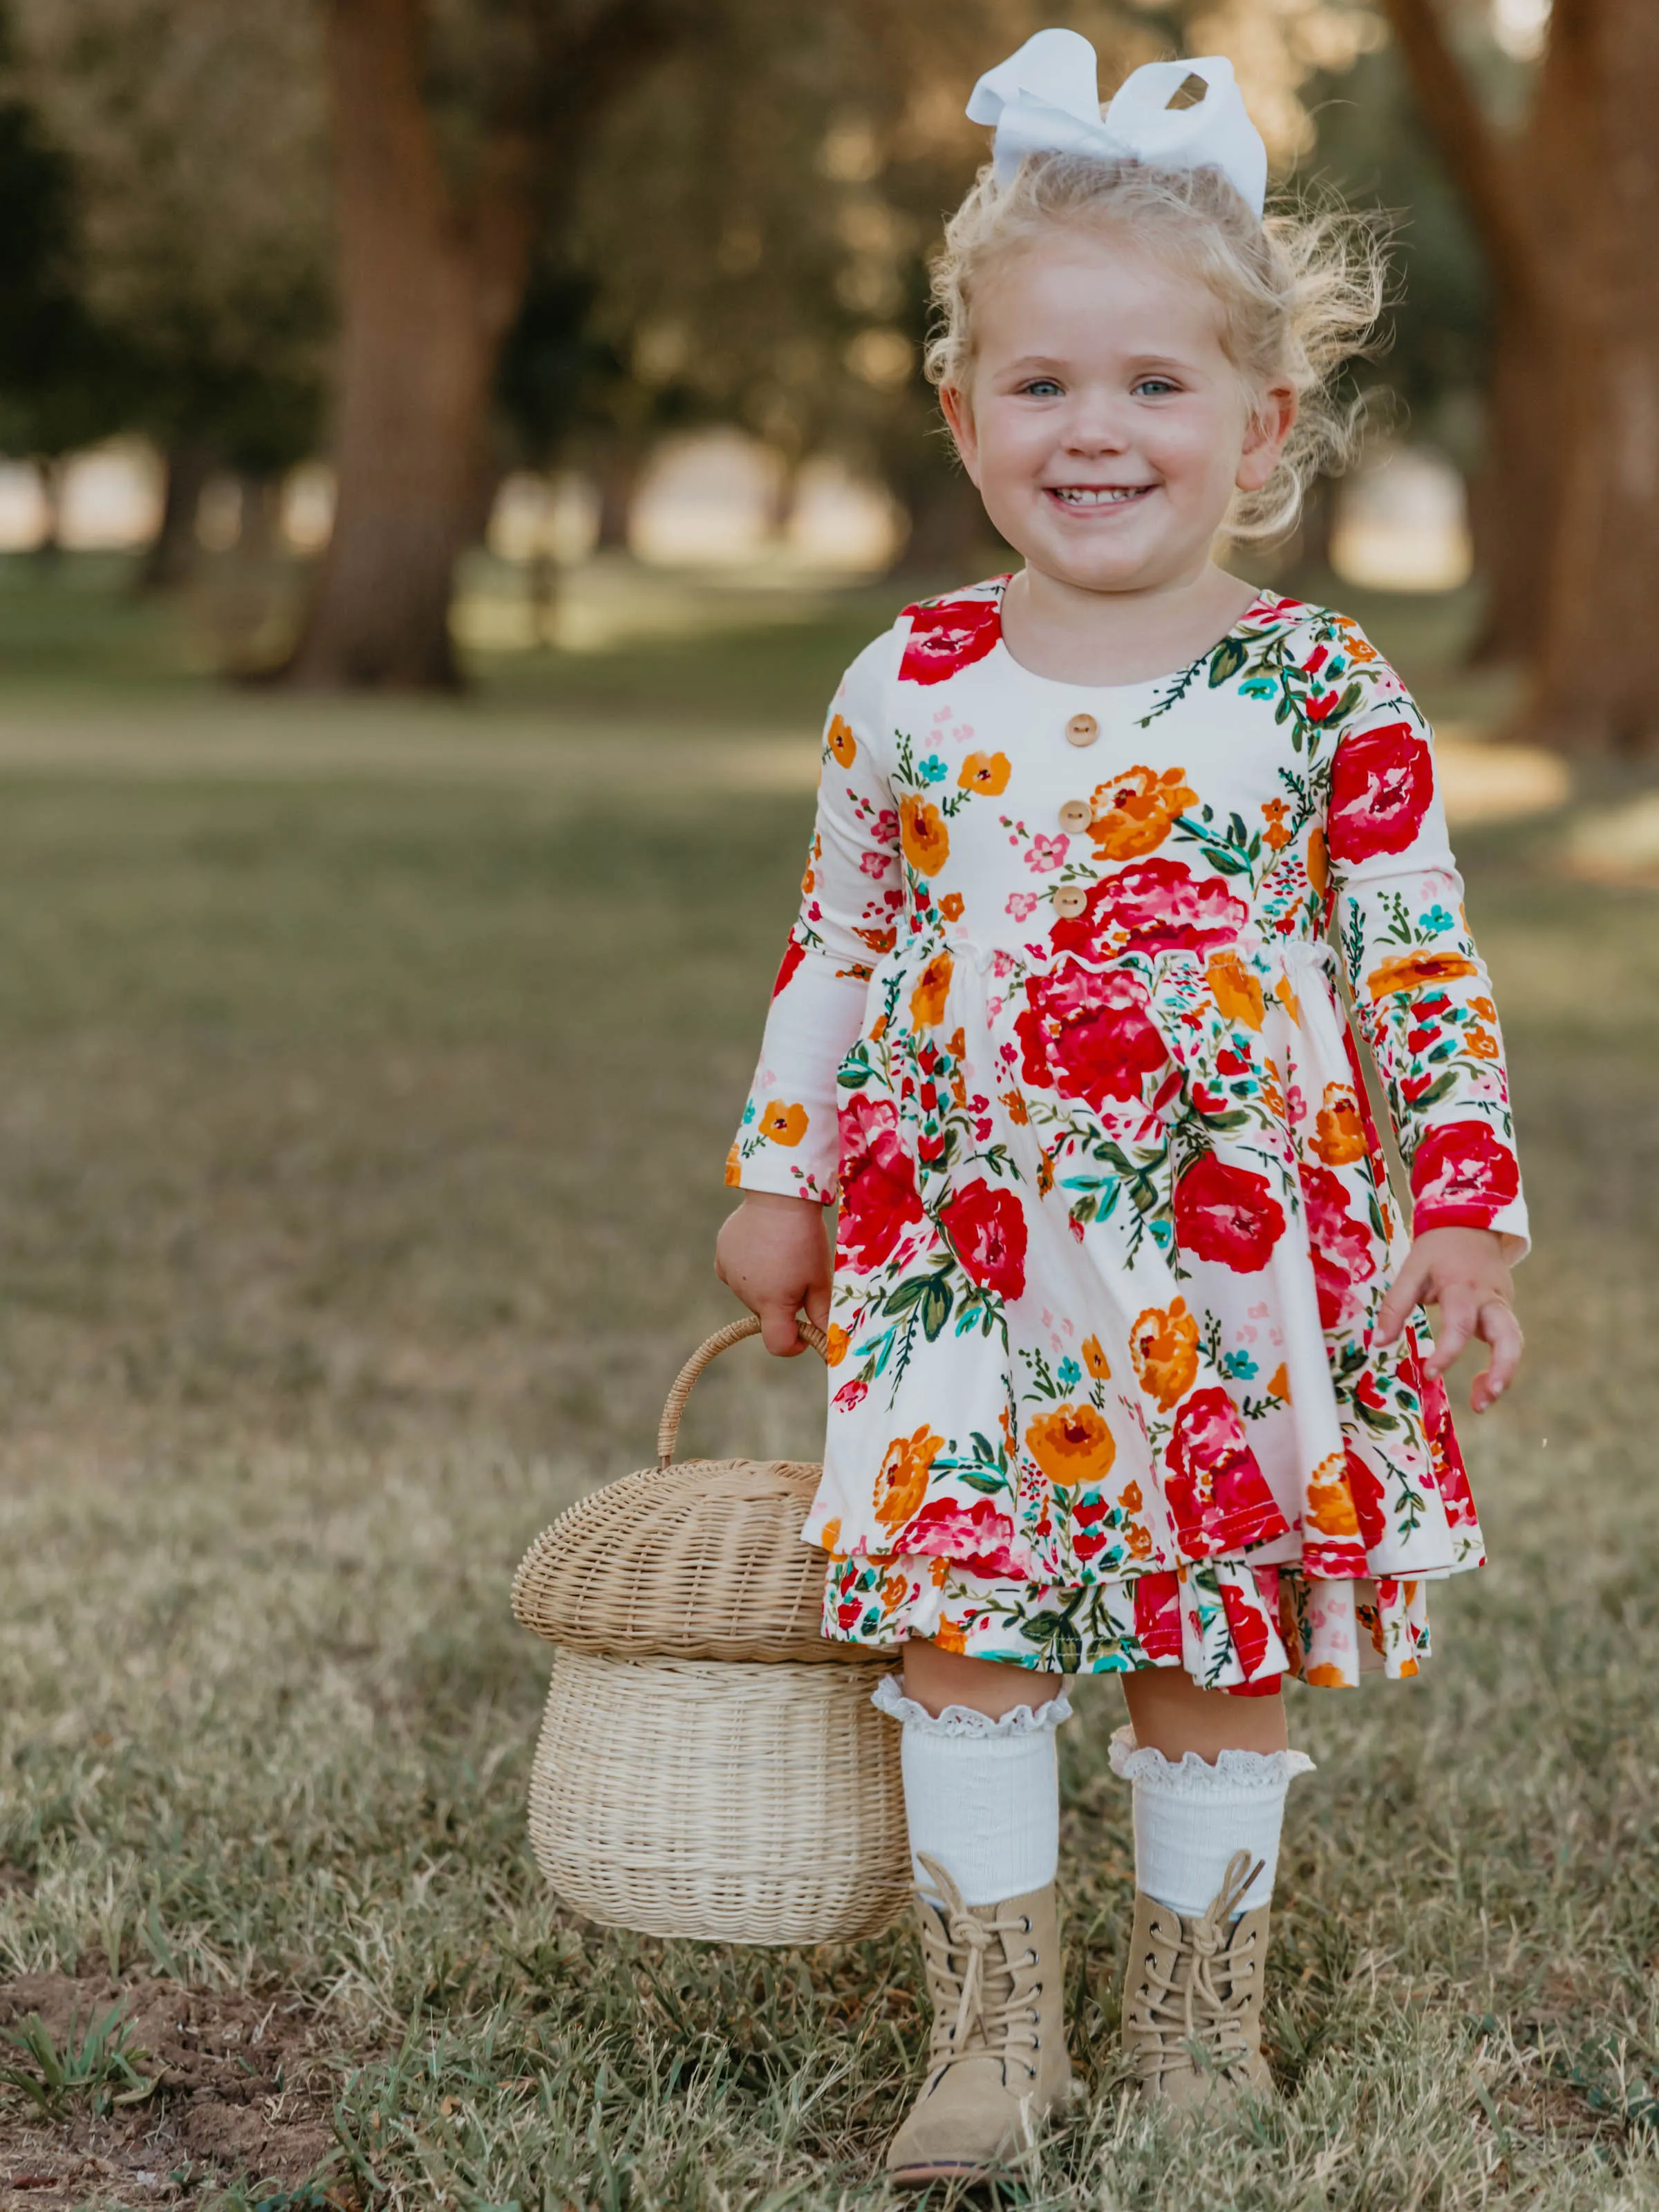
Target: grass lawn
[{"x": 360, "y": 1140}]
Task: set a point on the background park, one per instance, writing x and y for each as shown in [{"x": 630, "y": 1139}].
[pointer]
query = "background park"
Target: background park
[{"x": 451, "y": 448}]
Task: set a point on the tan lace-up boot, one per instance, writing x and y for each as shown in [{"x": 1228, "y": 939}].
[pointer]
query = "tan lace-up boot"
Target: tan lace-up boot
[
  {"x": 1192, "y": 2001},
  {"x": 998, "y": 2064}
]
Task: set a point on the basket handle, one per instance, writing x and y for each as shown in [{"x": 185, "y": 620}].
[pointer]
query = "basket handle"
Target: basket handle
[{"x": 668, "y": 1428}]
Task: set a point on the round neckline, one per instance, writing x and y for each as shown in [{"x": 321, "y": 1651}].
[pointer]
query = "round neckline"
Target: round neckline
[{"x": 1117, "y": 690}]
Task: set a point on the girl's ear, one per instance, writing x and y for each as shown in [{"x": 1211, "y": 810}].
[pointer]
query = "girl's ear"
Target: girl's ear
[
  {"x": 953, "y": 403},
  {"x": 1270, "y": 422}
]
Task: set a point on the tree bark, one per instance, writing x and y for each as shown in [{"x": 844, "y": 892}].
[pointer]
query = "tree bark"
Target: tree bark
[
  {"x": 171, "y": 557},
  {"x": 1566, "y": 512},
  {"x": 427, "y": 296}
]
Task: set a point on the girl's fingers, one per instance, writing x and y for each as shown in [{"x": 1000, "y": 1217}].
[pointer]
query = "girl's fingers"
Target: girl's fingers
[
  {"x": 1458, "y": 1316},
  {"x": 778, "y": 1331},
  {"x": 1502, "y": 1331},
  {"x": 817, "y": 1305},
  {"x": 1403, "y": 1293}
]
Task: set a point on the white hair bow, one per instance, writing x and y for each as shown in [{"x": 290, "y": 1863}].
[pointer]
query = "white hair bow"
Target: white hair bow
[{"x": 1172, "y": 115}]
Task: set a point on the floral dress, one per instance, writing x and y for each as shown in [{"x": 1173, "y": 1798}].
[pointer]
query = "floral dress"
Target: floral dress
[{"x": 1059, "y": 1025}]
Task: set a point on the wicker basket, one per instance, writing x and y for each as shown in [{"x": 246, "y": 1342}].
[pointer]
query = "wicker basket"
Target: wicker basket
[{"x": 701, "y": 1771}]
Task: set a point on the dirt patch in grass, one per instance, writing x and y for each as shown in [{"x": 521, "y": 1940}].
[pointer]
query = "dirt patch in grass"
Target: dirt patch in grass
[{"x": 238, "y": 2090}]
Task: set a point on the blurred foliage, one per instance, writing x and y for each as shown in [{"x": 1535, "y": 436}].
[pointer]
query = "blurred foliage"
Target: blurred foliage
[{"x": 747, "y": 241}]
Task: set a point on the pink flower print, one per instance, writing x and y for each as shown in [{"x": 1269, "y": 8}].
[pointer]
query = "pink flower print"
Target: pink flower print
[
  {"x": 873, "y": 864},
  {"x": 1021, "y": 905},
  {"x": 1047, "y": 852},
  {"x": 1002, "y": 962},
  {"x": 851, "y": 1394}
]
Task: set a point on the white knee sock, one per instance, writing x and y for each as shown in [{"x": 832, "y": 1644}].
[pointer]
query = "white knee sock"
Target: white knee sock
[
  {"x": 1190, "y": 1820},
  {"x": 981, "y": 1796}
]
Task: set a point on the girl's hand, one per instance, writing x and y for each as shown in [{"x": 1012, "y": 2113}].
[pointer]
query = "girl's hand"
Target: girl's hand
[
  {"x": 1463, "y": 1272},
  {"x": 775, "y": 1253}
]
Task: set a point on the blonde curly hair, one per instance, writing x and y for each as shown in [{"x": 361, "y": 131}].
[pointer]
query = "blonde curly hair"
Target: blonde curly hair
[{"x": 1299, "y": 293}]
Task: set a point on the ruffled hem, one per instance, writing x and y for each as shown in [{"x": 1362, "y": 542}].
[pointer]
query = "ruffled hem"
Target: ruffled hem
[
  {"x": 1192, "y": 1777},
  {"x": 888, "y": 1697},
  {"x": 1231, "y": 1625}
]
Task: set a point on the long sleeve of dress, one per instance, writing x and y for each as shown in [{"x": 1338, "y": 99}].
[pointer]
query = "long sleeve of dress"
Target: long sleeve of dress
[
  {"x": 1420, "y": 988},
  {"x": 850, "y": 898}
]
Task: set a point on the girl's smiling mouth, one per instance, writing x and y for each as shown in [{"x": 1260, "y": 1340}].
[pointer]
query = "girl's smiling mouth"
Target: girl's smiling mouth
[{"x": 1094, "y": 496}]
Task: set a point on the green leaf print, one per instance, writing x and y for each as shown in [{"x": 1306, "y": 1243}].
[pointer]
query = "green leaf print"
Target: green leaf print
[
  {"x": 935, "y": 1306},
  {"x": 1226, "y": 662},
  {"x": 975, "y": 1479}
]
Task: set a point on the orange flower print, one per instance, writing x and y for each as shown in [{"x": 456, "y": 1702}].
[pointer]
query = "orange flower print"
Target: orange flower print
[
  {"x": 1359, "y": 649},
  {"x": 1319, "y": 861},
  {"x": 986, "y": 772},
  {"x": 1484, "y": 1008},
  {"x": 1235, "y": 989},
  {"x": 784, "y": 1125},
  {"x": 1015, "y": 1102},
  {"x": 951, "y": 906},
  {"x": 1164, "y": 1345},
  {"x": 830, "y": 1535},
  {"x": 878, "y": 940},
  {"x": 1330, "y": 1503},
  {"x": 1072, "y": 1444},
  {"x": 1340, "y": 1133},
  {"x": 958, "y": 1047},
  {"x": 1275, "y": 836},
  {"x": 940, "y": 1573},
  {"x": 1408, "y": 971},
  {"x": 894, "y": 1590},
  {"x": 1481, "y": 1044},
  {"x": 1272, "y": 1097},
  {"x": 1328, "y": 1676},
  {"x": 878, "y": 1029},
  {"x": 1140, "y": 1541},
  {"x": 922, "y": 833},
  {"x": 1129, "y": 1498},
  {"x": 951, "y": 1635},
  {"x": 902, "y": 1482},
  {"x": 1279, "y": 1383},
  {"x": 842, "y": 742},
  {"x": 1095, "y": 1360},
  {"x": 734, "y": 1168},
  {"x": 840, "y": 1338},
  {"x": 1288, "y": 999},
  {"x": 809, "y": 881},
  {"x": 1134, "y": 813},
  {"x": 933, "y": 989},
  {"x": 1045, "y": 1175}
]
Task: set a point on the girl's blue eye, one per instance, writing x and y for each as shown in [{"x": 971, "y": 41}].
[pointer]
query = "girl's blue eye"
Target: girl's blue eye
[
  {"x": 1154, "y": 385},
  {"x": 1040, "y": 388}
]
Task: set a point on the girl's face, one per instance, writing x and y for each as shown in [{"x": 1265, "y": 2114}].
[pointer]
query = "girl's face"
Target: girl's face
[{"x": 1105, "y": 429}]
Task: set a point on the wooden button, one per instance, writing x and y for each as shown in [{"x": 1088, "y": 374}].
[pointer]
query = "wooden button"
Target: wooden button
[
  {"x": 1070, "y": 900},
  {"x": 1082, "y": 730},
  {"x": 1076, "y": 814}
]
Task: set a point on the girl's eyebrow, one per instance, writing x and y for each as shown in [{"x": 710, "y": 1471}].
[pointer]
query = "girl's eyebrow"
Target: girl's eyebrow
[{"x": 1137, "y": 365}]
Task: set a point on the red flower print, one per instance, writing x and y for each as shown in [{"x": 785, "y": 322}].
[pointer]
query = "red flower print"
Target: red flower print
[
  {"x": 847, "y": 1612},
  {"x": 977, "y": 1537},
  {"x": 1215, "y": 1490},
  {"x": 987, "y": 1226},
  {"x": 1227, "y": 1213},
  {"x": 878, "y": 1195},
  {"x": 1248, "y": 1627},
  {"x": 1462, "y": 1177},
  {"x": 1365, "y": 1488},
  {"x": 1344, "y": 1256},
  {"x": 951, "y": 635},
  {"x": 1153, "y": 906},
  {"x": 1087, "y": 1036},
  {"x": 1382, "y": 781},
  {"x": 1157, "y": 1615},
  {"x": 794, "y": 953},
  {"x": 1450, "y": 1476}
]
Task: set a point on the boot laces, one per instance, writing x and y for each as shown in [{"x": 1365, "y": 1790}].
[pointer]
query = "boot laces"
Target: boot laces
[
  {"x": 979, "y": 2006},
  {"x": 1198, "y": 2001}
]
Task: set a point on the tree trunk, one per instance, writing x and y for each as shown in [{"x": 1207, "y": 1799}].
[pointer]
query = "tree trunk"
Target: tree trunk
[
  {"x": 427, "y": 298},
  {"x": 171, "y": 557},
  {"x": 617, "y": 466},
  {"x": 1567, "y": 512},
  {"x": 1597, "y": 671}
]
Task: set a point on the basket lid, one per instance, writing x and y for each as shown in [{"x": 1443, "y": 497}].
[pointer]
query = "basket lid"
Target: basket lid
[{"x": 697, "y": 1559}]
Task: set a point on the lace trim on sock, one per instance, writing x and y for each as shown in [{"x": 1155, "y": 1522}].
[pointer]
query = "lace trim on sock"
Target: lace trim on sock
[
  {"x": 888, "y": 1696},
  {"x": 1195, "y": 1777}
]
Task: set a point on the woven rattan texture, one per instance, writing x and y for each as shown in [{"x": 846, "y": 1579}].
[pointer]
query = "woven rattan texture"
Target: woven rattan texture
[
  {"x": 736, "y": 1803},
  {"x": 699, "y": 1560}
]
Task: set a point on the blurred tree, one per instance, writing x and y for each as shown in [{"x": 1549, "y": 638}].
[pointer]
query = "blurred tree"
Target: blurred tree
[
  {"x": 193, "y": 130},
  {"x": 1566, "y": 210},
  {"x": 62, "y": 384}
]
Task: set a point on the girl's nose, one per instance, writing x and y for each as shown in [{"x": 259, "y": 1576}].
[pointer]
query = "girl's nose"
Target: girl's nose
[{"x": 1096, "y": 427}]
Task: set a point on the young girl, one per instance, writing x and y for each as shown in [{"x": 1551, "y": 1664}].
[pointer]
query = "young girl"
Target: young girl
[{"x": 1128, "y": 1369}]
